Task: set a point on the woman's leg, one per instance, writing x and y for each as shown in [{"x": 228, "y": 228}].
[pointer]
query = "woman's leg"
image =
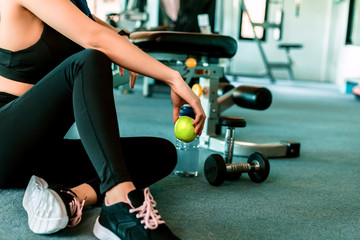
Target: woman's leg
[
  {"x": 149, "y": 159},
  {"x": 35, "y": 124},
  {"x": 96, "y": 119},
  {"x": 32, "y": 127},
  {"x": 80, "y": 86}
]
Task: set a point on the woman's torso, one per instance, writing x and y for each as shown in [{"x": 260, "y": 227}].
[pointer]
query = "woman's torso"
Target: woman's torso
[{"x": 29, "y": 49}]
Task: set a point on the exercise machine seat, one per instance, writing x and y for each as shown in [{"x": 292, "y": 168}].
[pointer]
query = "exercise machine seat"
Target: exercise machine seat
[
  {"x": 196, "y": 44},
  {"x": 288, "y": 46}
]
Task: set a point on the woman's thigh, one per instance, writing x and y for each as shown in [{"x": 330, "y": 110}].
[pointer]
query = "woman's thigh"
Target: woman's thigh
[
  {"x": 35, "y": 120},
  {"x": 32, "y": 128}
]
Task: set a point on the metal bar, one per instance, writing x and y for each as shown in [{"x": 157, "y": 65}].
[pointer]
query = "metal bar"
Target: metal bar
[{"x": 245, "y": 149}]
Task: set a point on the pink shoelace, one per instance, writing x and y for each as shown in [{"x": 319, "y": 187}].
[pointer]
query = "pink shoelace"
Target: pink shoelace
[
  {"x": 75, "y": 210},
  {"x": 147, "y": 211}
]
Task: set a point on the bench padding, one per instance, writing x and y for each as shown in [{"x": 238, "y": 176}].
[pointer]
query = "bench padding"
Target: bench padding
[{"x": 197, "y": 44}]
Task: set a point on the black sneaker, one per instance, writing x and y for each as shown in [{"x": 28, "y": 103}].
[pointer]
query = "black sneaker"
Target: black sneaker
[
  {"x": 49, "y": 209},
  {"x": 135, "y": 219}
]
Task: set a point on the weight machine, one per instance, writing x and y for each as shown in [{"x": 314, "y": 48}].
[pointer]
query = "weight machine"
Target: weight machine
[
  {"x": 174, "y": 48},
  {"x": 277, "y": 26}
]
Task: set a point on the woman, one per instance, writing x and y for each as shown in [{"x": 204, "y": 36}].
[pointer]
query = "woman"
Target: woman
[{"x": 55, "y": 68}]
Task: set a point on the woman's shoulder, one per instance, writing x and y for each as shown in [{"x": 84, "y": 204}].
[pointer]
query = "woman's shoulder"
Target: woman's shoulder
[
  {"x": 11, "y": 9},
  {"x": 9, "y": 5},
  {"x": 17, "y": 21}
]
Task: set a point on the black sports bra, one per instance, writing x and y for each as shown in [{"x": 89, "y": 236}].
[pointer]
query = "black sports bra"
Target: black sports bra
[{"x": 31, "y": 64}]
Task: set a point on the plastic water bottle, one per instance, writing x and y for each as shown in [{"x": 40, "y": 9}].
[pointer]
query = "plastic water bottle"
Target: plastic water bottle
[{"x": 187, "y": 153}]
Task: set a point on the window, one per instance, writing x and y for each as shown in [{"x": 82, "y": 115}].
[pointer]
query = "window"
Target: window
[
  {"x": 257, "y": 10},
  {"x": 353, "y": 32}
]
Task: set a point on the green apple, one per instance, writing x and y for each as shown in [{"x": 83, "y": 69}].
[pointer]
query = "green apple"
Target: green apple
[{"x": 184, "y": 130}]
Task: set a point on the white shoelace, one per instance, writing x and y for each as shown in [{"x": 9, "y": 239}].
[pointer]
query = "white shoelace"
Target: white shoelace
[
  {"x": 75, "y": 207},
  {"x": 147, "y": 211}
]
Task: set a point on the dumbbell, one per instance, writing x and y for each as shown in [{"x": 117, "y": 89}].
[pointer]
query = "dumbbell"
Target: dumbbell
[{"x": 217, "y": 171}]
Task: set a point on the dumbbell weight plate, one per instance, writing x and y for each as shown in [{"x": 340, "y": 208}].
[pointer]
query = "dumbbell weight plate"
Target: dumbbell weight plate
[
  {"x": 232, "y": 176},
  {"x": 262, "y": 174},
  {"x": 215, "y": 169}
]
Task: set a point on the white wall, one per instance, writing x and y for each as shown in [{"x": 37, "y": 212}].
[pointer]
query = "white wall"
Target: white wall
[
  {"x": 349, "y": 66},
  {"x": 356, "y": 24},
  {"x": 349, "y": 57},
  {"x": 320, "y": 27}
]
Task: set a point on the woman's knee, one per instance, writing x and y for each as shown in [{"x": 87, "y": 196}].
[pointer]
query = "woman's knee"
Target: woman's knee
[
  {"x": 94, "y": 61},
  {"x": 94, "y": 56},
  {"x": 169, "y": 154},
  {"x": 155, "y": 153},
  {"x": 92, "y": 65}
]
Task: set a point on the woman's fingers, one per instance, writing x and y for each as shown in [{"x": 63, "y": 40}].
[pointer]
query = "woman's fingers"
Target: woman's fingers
[
  {"x": 178, "y": 101},
  {"x": 133, "y": 78},
  {"x": 199, "y": 122},
  {"x": 121, "y": 71}
]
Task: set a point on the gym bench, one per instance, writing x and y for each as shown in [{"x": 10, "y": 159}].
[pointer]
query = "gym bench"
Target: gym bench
[
  {"x": 289, "y": 63},
  {"x": 174, "y": 48}
]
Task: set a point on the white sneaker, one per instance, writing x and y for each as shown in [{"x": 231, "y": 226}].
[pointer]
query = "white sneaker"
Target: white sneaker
[{"x": 49, "y": 209}]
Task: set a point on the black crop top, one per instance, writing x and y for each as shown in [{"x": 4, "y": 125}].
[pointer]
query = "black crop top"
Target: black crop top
[{"x": 31, "y": 64}]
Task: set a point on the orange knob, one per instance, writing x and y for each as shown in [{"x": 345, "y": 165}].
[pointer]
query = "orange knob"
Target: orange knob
[
  {"x": 190, "y": 62},
  {"x": 197, "y": 89}
]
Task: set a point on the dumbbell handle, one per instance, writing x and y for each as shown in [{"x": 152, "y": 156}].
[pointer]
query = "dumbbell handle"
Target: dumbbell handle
[
  {"x": 242, "y": 167},
  {"x": 229, "y": 145}
]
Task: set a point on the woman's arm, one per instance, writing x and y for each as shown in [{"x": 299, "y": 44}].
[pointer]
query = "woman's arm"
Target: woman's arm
[
  {"x": 133, "y": 76},
  {"x": 67, "y": 19}
]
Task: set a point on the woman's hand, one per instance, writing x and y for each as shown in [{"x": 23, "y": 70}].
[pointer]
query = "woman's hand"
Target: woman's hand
[
  {"x": 182, "y": 94},
  {"x": 133, "y": 76}
]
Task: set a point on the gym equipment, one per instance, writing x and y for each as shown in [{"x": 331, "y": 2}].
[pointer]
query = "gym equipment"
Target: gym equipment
[
  {"x": 134, "y": 17},
  {"x": 258, "y": 98},
  {"x": 216, "y": 171},
  {"x": 297, "y": 7},
  {"x": 197, "y": 89},
  {"x": 191, "y": 62},
  {"x": 174, "y": 48},
  {"x": 287, "y": 65},
  {"x": 224, "y": 88},
  {"x": 277, "y": 26}
]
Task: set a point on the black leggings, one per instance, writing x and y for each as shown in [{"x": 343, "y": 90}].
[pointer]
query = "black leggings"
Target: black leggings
[{"x": 33, "y": 126}]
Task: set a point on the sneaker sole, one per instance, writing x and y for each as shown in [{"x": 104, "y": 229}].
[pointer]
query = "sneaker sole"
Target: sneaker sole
[
  {"x": 46, "y": 210},
  {"x": 103, "y": 233}
]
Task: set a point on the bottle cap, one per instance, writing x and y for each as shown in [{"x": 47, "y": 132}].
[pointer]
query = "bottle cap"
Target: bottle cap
[{"x": 186, "y": 110}]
